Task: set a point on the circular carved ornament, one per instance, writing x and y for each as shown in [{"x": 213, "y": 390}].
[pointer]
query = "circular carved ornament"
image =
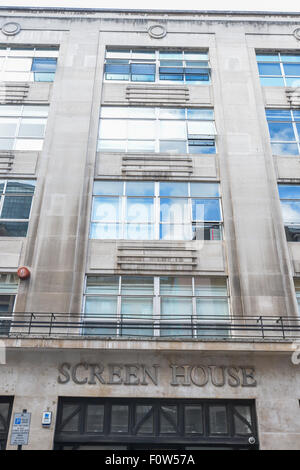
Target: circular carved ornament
[
  {"x": 157, "y": 31},
  {"x": 11, "y": 29},
  {"x": 297, "y": 33}
]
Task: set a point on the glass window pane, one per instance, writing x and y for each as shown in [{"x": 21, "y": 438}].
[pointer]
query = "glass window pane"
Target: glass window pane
[
  {"x": 139, "y": 231},
  {"x": 4, "y": 410},
  {"x": 172, "y": 130},
  {"x": 43, "y": 77},
  {"x": 200, "y": 113},
  {"x": 173, "y": 189},
  {"x": 242, "y": 420},
  {"x": 170, "y": 54},
  {"x": 271, "y": 81},
  {"x": 29, "y": 144},
  {"x": 10, "y": 110},
  {"x": 289, "y": 191},
  {"x": 193, "y": 419},
  {"x": 13, "y": 229},
  {"x": 102, "y": 284},
  {"x": 173, "y": 147},
  {"x": 141, "y": 112},
  {"x": 114, "y": 112},
  {"x": 101, "y": 306},
  {"x": 285, "y": 149},
  {"x": 281, "y": 131},
  {"x": 137, "y": 285},
  {"x": 293, "y": 82},
  {"x": 134, "y": 188},
  {"x": 269, "y": 69},
  {"x": 176, "y": 232},
  {"x": 115, "y": 53},
  {"x": 18, "y": 64},
  {"x": 106, "y": 209},
  {"x": 140, "y": 129},
  {"x": 137, "y": 307},
  {"x": 267, "y": 57},
  {"x": 139, "y": 209},
  {"x": 143, "y": 55},
  {"x": 210, "y": 286},
  {"x": 34, "y": 111},
  {"x": 175, "y": 307},
  {"x": 108, "y": 188},
  {"x": 196, "y": 128},
  {"x": 144, "y": 419},
  {"x": 119, "y": 419},
  {"x": 43, "y": 65},
  {"x": 105, "y": 231},
  {"x": 218, "y": 419},
  {"x": 168, "y": 419},
  {"x": 32, "y": 127},
  {"x": 70, "y": 418},
  {"x": 174, "y": 210},
  {"x": 206, "y": 209},
  {"x": 6, "y": 144},
  {"x": 20, "y": 186},
  {"x": 8, "y": 127},
  {"x": 292, "y": 69},
  {"x": 212, "y": 307},
  {"x": 179, "y": 285},
  {"x": 141, "y": 146},
  {"x": 279, "y": 114},
  {"x": 6, "y": 304},
  {"x": 108, "y": 129},
  {"x": 16, "y": 207},
  {"x": 291, "y": 211},
  {"x": 205, "y": 189},
  {"x": 94, "y": 418},
  {"x": 195, "y": 55},
  {"x": 171, "y": 113},
  {"x": 290, "y": 57}
]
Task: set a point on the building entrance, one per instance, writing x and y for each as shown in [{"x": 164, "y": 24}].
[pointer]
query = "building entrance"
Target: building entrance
[{"x": 155, "y": 424}]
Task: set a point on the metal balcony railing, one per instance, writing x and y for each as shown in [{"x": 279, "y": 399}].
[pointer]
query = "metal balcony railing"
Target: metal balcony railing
[{"x": 142, "y": 326}]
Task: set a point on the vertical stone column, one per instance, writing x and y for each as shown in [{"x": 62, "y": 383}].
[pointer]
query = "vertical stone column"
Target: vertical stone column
[
  {"x": 258, "y": 260},
  {"x": 57, "y": 239}
]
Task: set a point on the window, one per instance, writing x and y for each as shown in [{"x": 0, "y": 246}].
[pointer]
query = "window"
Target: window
[
  {"x": 8, "y": 291},
  {"x": 290, "y": 205},
  {"x": 279, "y": 69},
  {"x": 182, "y": 306},
  {"x": 27, "y": 64},
  {"x": 137, "y": 65},
  {"x": 167, "y": 130},
  {"x": 15, "y": 204},
  {"x": 297, "y": 289},
  {"x": 22, "y": 127},
  {"x": 140, "y": 210},
  {"x": 284, "y": 129},
  {"x": 5, "y": 415},
  {"x": 154, "y": 423}
]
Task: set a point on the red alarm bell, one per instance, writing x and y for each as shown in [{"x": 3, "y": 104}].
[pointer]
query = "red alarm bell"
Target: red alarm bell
[{"x": 23, "y": 272}]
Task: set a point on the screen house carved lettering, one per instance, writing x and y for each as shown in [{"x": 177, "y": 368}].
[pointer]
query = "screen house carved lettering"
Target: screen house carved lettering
[{"x": 85, "y": 373}]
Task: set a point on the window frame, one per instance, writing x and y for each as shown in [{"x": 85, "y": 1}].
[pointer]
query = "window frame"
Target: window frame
[
  {"x": 4, "y": 194},
  {"x": 157, "y": 322},
  {"x": 156, "y": 62},
  {"x": 30, "y": 52},
  {"x": 281, "y": 63},
  {"x": 157, "y": 224},
  {"x": 208, "y": 140},
  {"x": 293, "y": 121}
]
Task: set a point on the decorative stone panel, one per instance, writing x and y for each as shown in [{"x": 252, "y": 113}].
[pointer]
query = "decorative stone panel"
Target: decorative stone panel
[
  {"x": 157, "y": 165},
  {"x": 153, "y": 257},
  {"x": 293, "y": 96},
  {"x": 13, "y": 92},
  {"x": 6, "y": 161},
  {"x": 157, "y": 94}
]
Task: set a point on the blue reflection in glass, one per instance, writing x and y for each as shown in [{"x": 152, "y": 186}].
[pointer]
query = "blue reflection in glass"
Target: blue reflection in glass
[
  {"x": 269, "y": 69},
  {"x": 139, "y": 209},
  {"x": 144, "y": 188},
  {"x": 173, "y": 189},
  {"x": 285, "y": 149},
  {"x": 271, "y": 81},
  {"x": 289, "y": 191},
  {"x": 291, "y": 211},
  {"x": 281, "y": 131},
  {"x": 292, "y": 69},
  {"x": 108, "y": 188},
  {"x": 206, "y": 209},
  {"x": 204, "y": 189},
  {"x": 279, "y": 114}
]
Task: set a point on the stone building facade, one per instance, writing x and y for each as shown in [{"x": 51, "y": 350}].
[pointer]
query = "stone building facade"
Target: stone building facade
[{"x": 150, "y": 181}]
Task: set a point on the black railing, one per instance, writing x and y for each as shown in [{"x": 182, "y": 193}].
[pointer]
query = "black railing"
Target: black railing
[{"x": 183, "y": 326}]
